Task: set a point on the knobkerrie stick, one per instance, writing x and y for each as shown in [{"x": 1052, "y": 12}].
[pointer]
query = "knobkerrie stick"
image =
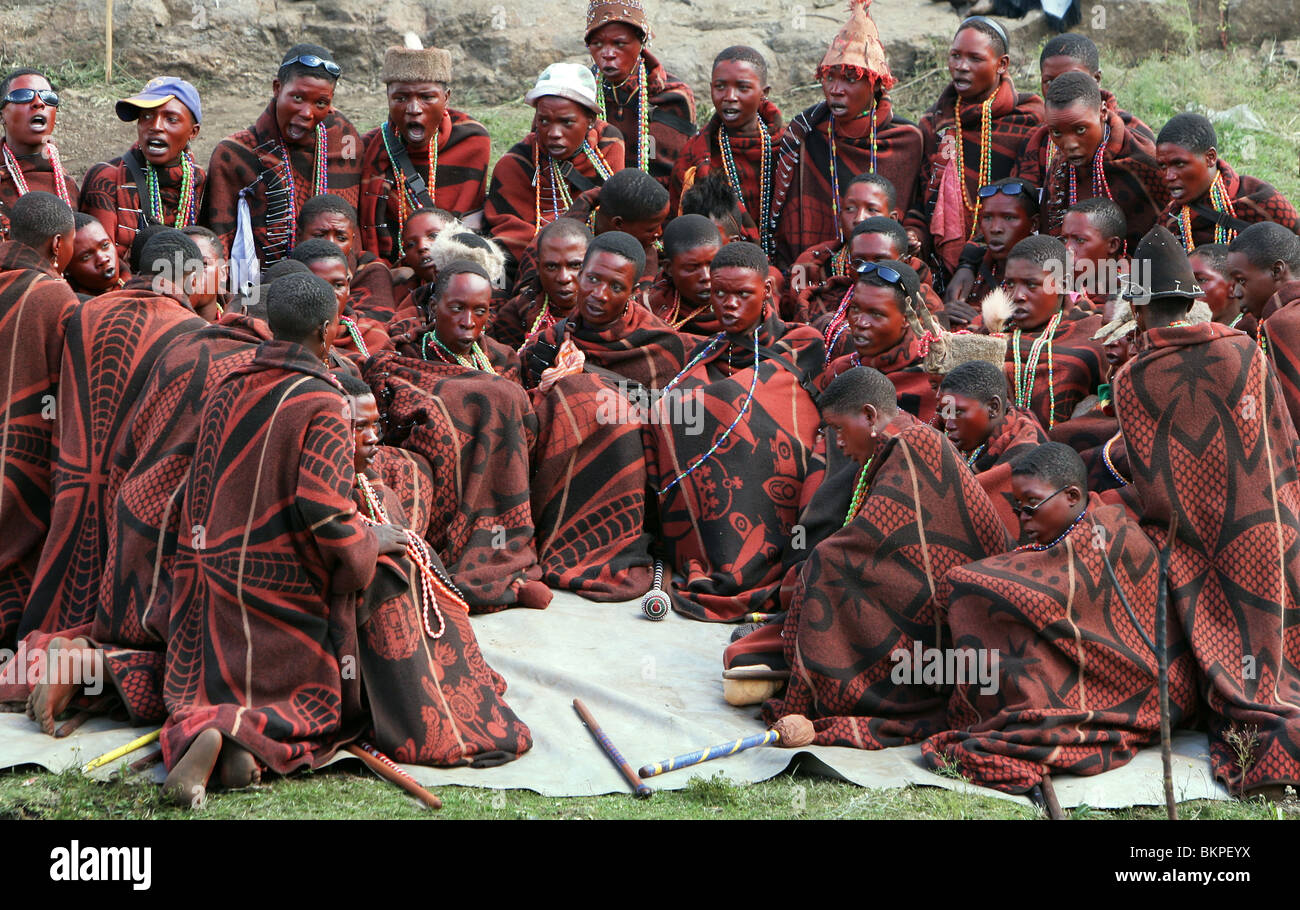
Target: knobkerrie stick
[
  {"x": 386, "y": 768},
  {"x": 117, "y": 753},
  {"x": 765, "y": 738},
  {"x": 611, "y": 750}
]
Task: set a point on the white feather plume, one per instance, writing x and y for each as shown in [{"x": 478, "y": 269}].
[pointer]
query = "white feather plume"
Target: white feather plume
[{"x": 996, "y": 308}]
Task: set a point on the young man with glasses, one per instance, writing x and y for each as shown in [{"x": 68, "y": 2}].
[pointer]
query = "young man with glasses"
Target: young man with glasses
[
  {"x": 299, "y": 147},
  {"x": 29, "y": 160}
]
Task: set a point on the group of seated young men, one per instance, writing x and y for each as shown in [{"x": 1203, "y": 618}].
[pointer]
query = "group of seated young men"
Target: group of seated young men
[{"x": 273, "y": 430}]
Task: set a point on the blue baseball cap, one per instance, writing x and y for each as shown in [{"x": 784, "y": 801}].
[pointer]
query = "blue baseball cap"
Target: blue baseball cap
[{"x": 158, "y": 92}]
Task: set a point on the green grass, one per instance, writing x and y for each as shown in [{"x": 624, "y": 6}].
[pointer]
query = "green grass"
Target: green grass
[{"x": 339, "y": 794}]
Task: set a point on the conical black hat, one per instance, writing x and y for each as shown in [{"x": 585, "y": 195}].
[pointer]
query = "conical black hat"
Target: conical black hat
[{"x": 1160, "y": 269}]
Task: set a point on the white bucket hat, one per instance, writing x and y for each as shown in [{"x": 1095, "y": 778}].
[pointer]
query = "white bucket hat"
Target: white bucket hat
[{"x": 567, "y": 80}]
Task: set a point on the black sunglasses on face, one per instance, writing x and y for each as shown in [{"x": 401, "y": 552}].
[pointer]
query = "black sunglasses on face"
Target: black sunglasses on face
[
  {"x": 1030, "y": 511},
  {"x": 1011, "y": 189},
  {"x": 313, "y": 61},
  {"x": 864, "y": 267},
  {"x": 28, "y": 95}
]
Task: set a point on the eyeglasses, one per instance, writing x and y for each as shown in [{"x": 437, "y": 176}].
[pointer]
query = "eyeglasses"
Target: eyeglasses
[
  {"x": 1030, "y": 511},
  {"x": 28, "y": 95},
  {"x": 313, "y": 61},
  {"x": 1011, "y": 189},
  {"x": 865, "y": 267}
]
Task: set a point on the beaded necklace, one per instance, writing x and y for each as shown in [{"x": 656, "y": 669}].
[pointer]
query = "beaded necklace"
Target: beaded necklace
[
  {"x": 677, "y": 305},
  {"x": 1236, "y": 319},
  {"x": 1220, "y": 202},
  {"x": 986, "y": 158},
  {"x": 560, "y": 195},
  {"x": 56, "y": 164},
  {"x": 185, "y": 208},
  {"x": 1025, "y": 377},
  {"x": 1100, "y": 185},
  {"x": 431, "y": 580},
  {"x": 544, "y": 320},
  {"x": 320, "y": 176},
  {"x": 753, "y": 385},
  {"x": 406, "y": 200},
  {"x": 1047, "y": 546},
  {"x": 837, "y": 323},
  {"x": 859, "y": 493},
  {"x": 971, "y": 458},
  {"x": 477, "y": 360},
  {"x": 1110, "y": 465},
  {"x": 350, "y": 324},
  {"x": 840, "y": 262},
  {"x": 642, "y": 115},
  {"x": 766, "y": 240}
]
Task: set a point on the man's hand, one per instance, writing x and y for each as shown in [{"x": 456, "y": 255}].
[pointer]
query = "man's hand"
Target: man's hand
[
  {"x": 959, "y": 285},
  {"x": 392, "y": 539},
  {"x": 913, "y": 242}
]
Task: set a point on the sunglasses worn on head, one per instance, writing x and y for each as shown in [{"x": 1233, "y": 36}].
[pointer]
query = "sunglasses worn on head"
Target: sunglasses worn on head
[
  {"x": 28, "y": 95},
  {"x": 313, "y": 61},
  {"x": 1030, "y": 511},
  {"x": 864, "y": 267},
  {"x": 1011, "y": 189}
]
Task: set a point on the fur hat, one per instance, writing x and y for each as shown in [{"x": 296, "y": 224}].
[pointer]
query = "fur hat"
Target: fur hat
[
  {"x": 1160, "y": 269},
  {"x": 408, "y": 64},
  {"x": 858, "y": 45},
  {"x": 452, "y": 245},
  {"x": 601, "y": 13}
]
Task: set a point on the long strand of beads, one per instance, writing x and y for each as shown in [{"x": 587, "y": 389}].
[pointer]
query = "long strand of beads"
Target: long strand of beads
[
  {"x": 835, "y": 185},
  {"x": 1024, "y": 378},
  {"x": 56, "y": 164},
  {"x": 540, "y": 323},
  {"x": 832, "y": 328},
  {"x": 350, "y": 324},
  {"x": 477, "y": 360},
  {"x": 642, "y": 119},
  {"x": 744, "y": 408},
  {"x": 292, "y": 186},
  {"x": 1047, "y": 546},
  {"x": 321, "y": 175},
  {"x": 840, "y": 262},
  {"x": 859, "y": 493},
  {"x": 873, "y": 135},
  {"x": 15, "y": 172},
  {"x": 1236, "y": 319},
  {"x": 986, "y": 158},
  {"x": 597, "y": 159},
  {"x": 1110, "y": 465},
  {"x": 973, "y": 456},
  {"x": 1219, "y": 199}
]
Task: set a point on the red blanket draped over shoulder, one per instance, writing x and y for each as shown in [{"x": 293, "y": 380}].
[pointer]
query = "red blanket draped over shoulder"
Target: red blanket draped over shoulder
[
  {"x": 251, "y": 163},
  {"x": 146, "y": 489},
  {"x": 1074, "y": 689},
  {"x": 1253, "y": 201},
  {"x": 109, "y": 194},
  {"x": 671, "y": 117},
  {"x": 903, "y": 365},
  {"x": 942, "y": 217},
  {"x": 802, "y": 205},
  {"x": 1019, "y": 433},
  {"x": 866, "y": 593},
  {"x": 726, "y": 524},
  {"x": 1209, "y": 440},
  {"x": 589, "y": 472},
  {"x": 511, "y": 208},
  {"x": 1281, "y": 333},
  {"x": 702, "y": 155},
  {"x": 266, "y": 595},
  {"x": 112, "y": 344},
  {"x": 460, "y": 182},
  {"x": 476, "y": 430},
  {"x": 38, "y": 172},
  {"x": 35, "y": 305}
]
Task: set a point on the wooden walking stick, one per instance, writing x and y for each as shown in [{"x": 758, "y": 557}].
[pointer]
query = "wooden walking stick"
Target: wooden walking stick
[
  {"x": 792, "y": 732},
  {"x": 1162, "y": 661},
  {"x": 641, "y": 790},
  {"x": 386, "y": 768},
  {"x": 108, "y": 41}
]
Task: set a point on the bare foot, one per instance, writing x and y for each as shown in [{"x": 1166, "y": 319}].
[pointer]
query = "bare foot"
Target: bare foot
[
  {"x": 239, "y": 768},
  {"x": 187, "y": 782},
  {"x": 534, "y": 595},
  {"x": 60, "y": 682}
]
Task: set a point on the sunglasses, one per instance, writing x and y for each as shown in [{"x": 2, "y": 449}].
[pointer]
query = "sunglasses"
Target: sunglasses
[
  {"x": 1030, "y": 511},
  {"x": 864, "y": 267},
  {"x": 1011, "y": 189},
  {"x": 313, "y": 61},
  {"x": 28, "y": 95}
]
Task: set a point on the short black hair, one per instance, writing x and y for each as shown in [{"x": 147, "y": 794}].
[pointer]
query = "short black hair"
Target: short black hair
[
  {"x": 163, "y": 250},
  {"x": 458, "y": 267},
  {"x": 910, "y": 281},
  {"x": 199, "y": 232},
  {"x": 36, "y": 217},
  {"x": 428, "y": 210},
  {"x": 1028, "y": 195},
  {"x": 741, "y": 254},
  {"x": 620, "y": 244},
  {"x": 21, "y": 71},
  {"x": 996, "y": 33},
  {"x": 81, "y": 220},
  {"x": 352, "y": 384},
  {"x": 566, "y": 229},
  {"x": 137, "y": 244},
  {"x": 316, "y": 249},
  {"x": 879, "y": 224},
  {"x": 1214, "y": 255},
  {"x": 1267, "y": 242},
  {"x": 633, "y": 195},
  {"x": 326, "y": 203},
  {"x": 713, "y": 198},
  {"x": 885, "y": 185},
  {"x": 1070, "y": 87},
  {"x": 1055, "y": 464},
  {"x": 299, "y": 304},
  {"x": 744, "y": 54},
  {"x": 978, "y": 380},
  {"x": 1039, "y": 249},
  {"x": 852, "y": 389},
  {"x": 291, "y": 71},
  {"x": 1076, "y": 47},
  {"x": 282, "y": 268},
  {"x": 1103, "y": 214},
  {"x": 1190, "y": 131},
  {"x": 689, "y": 232}
]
